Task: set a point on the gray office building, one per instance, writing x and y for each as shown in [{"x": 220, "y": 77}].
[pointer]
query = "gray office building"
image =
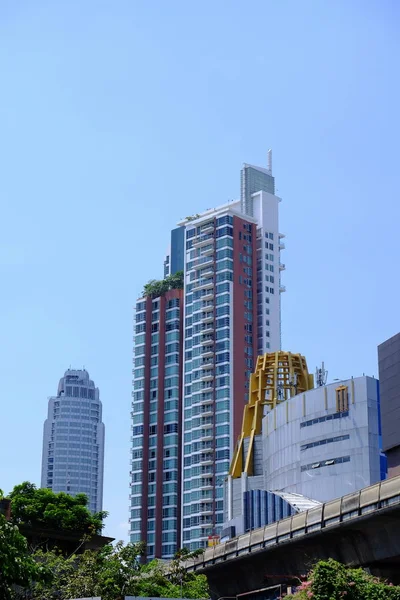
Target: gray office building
[
  {"x": 73, "y": 439},
  {"x": 389, "y": 377}
]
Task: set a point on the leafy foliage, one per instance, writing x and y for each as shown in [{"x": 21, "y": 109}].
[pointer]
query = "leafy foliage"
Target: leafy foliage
[
  {"x": 43, "y": 508},
  {"x": 111, "y": 572},
  {"x": 17, "y": 566},
  {"x": 331, "y": 580},
  {"x": 156, "y": 288},
  {"x": 114, "y": 572}
]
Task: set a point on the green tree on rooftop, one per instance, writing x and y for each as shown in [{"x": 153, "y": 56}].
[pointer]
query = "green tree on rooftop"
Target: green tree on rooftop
[{"x": 156, "y": 288}]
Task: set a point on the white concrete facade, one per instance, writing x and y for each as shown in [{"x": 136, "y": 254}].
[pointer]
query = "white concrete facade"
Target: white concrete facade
[
  {"x": 269, "y": 267},
  {"x": 297, "y": 457},
  {"x": 314, "y": 446}
]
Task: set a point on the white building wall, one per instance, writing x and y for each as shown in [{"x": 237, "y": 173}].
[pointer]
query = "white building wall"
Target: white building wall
[
  {"x": 266, "y": 212},
  {"x": 285, "y": 455}
]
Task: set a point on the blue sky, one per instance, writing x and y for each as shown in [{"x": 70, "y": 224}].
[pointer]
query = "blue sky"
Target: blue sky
[{"x": 117, "y": 118}]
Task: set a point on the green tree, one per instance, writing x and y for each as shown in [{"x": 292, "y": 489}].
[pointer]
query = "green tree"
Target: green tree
[
  {"x": 191, "y": 585},
  {"x": 106, "y": 573},
  {"x": 155, "y": 288},
  {"x": 330, "y": 580},
  {"x": 43, "y": 508},
  {"x": 60, "y": 571},
  {"x": 112, "y": 573},
  {"x": 17, "y": 566}
]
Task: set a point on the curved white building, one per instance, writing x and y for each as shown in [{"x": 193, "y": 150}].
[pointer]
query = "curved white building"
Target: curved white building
[
  {"x": 323, "y": 444},
  {"x": 73, "y": 439}
]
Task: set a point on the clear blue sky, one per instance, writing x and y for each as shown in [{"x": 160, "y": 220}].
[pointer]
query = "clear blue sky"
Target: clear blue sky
[{"x": 119, "y": 117}]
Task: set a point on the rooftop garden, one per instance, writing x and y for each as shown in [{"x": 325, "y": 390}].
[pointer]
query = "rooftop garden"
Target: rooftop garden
[
  {"x": 193, "y": 217},
  {"x": 156, "y": 288}
]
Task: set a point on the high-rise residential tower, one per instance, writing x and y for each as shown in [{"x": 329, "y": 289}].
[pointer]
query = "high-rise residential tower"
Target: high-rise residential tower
[
  {"x": 156, "y": 416},
  {"x": 232, "y": 313},
  {"x": 73, "y": 439},
  {"x": 155, "y": 504},
  {"x": 229, "y": 311}
]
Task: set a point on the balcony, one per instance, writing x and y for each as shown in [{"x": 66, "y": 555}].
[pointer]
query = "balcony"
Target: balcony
[
  {"x": 282, "y": 289},
  {"x": 208, "y": 412},
  {"x": 207, "y": 339},
  {"x": 207, "y": 459},
  {"x": 204, "y": 284},
  {"x": 207, "y": 272},
  {"x": 282, "y": 246},
  {"x": 207, "y": 375},
  {"x": 202, "y": 240},
  {"x": 206, "y": 522},
  {"x": 208, "y": 295},
  {"x": 207, "y": 306},
  {"x": 207, "y": 351},
  {"x": 206, "y": 386},
  {"x": 204, "y": 260},
  {"x": 208, "y": 326},
  {"x": 207, "y": 363},
  {"x": 207, "y": 227},
  {"x": 201, "y": 262},
  {"x": 207, "y": 483},
  {"x": 208, "y": 317},
  {"x": 206, "y": 401},
  {"x": 206, "y": 497},
  {"x": 208, "y": 251},
  {"x": 282, "y": 266},
  {"x": 206, "y": 421}
]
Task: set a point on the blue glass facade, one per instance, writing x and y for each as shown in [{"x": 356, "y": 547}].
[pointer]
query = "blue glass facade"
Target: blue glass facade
[
  {"x": 262, "y": 507},
  {"x": 254, "y": 180},
  {"x": 383, "y": 459},
  {"x": 177, "y": 257}
]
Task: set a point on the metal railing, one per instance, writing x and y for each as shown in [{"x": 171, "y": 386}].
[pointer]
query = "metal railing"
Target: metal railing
[{"x": 376, "y": 497}]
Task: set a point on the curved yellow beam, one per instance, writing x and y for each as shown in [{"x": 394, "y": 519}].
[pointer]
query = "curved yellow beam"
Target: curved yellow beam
[{"x": 277, "y": 377}]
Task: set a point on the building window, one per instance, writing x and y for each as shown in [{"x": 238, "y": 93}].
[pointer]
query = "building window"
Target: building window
[
  {"x": 326, "y": 463},
  {"x": 337, "y": 415},
  {"x": 342, "y": 399}
]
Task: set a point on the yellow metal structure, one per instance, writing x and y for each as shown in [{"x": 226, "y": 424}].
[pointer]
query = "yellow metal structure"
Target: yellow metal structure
[{"x": 277, "y": 377}]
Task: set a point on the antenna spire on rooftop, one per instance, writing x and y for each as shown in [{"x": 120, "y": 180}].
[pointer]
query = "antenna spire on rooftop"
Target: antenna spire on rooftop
[{"x": 270, "y": 160}]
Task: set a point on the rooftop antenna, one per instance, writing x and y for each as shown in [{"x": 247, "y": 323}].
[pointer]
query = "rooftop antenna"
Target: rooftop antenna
[
  {"x": 270, "y": 160},
  {"x": 321, "y": 376}
]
